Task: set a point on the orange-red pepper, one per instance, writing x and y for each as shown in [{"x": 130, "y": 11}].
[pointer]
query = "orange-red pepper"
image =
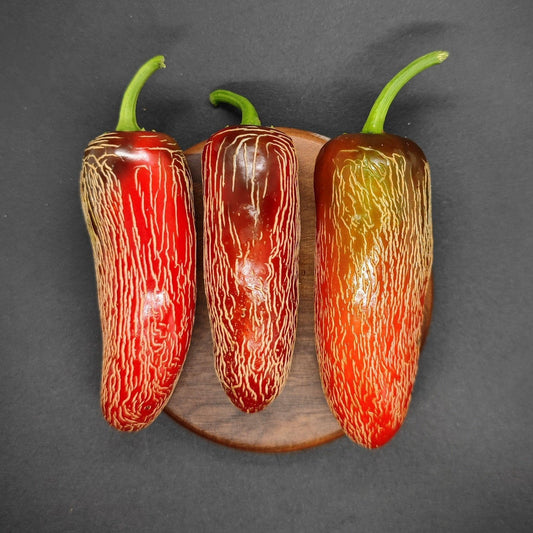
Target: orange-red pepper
[{"x": 374, "y": 256}]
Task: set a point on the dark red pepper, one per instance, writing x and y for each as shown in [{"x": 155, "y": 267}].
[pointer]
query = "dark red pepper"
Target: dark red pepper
[
  {"x": 373, "y": 266},
  {"x": 251, "y": 245},
  {"x": 136, "y": 195}
]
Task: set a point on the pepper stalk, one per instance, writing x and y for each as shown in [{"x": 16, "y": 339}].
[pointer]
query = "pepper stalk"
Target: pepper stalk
[
  {"x": 127, "y": 120},
  {"x": 376, "y": 118}
]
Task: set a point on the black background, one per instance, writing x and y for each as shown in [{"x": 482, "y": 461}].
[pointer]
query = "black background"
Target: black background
[{"x": 463, "y": 460}]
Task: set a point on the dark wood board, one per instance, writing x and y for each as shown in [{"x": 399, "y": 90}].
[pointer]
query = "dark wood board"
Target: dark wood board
[{"x": 300, "y": 417}]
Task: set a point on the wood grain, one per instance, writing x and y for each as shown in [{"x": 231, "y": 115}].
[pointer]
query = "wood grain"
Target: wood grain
[{"x": 300, "y": 417}]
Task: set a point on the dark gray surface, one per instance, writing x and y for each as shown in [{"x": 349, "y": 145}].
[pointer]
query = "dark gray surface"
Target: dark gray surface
[{"x": 463, "y": 460}]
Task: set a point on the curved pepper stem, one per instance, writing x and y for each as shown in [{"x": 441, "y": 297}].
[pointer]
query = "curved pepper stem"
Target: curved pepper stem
[
  {"x": 127, "y": 120},
  {"x": 376, "y": 118},
  {"x": 249, "y": 114}
]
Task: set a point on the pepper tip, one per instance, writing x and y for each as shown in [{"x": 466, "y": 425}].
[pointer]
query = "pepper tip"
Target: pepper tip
[{"x": 442, "y": 56}]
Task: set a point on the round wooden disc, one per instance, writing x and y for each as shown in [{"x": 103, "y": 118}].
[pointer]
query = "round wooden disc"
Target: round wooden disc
[{"x": 300, "y": 417}]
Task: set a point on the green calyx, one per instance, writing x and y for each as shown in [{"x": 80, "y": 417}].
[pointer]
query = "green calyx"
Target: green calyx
[
  {"x": 249, "y": 114},
  {"x": 127, "y": 120},
  {"x": 376, "y": 118}
]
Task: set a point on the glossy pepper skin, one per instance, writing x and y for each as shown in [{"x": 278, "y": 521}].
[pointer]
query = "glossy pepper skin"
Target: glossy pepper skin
[
  {"x": 251, "y": 245},
  {"x": 374, "y": 256},
  {"x": 136, "y": 196}
]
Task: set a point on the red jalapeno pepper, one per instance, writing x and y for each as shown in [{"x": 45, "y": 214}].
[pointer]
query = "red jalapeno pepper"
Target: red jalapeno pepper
[
  {"x": 136, "y": 195},
  {"x": 374, "y": 255},
  {"x": 251, "y": 245}
]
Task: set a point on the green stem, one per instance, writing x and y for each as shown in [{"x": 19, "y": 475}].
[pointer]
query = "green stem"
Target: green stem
[
  {"x": 376, "y": 118},
  {"x": 249, "y": 114},
  {"x": 127, "y": 119}
]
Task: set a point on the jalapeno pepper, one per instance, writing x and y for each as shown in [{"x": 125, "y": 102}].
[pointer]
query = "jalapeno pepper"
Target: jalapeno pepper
[
  {"x": 251, "y": 245},
  {"x": 374, "y": 254},
  {"x": 136, "y": 195}
]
